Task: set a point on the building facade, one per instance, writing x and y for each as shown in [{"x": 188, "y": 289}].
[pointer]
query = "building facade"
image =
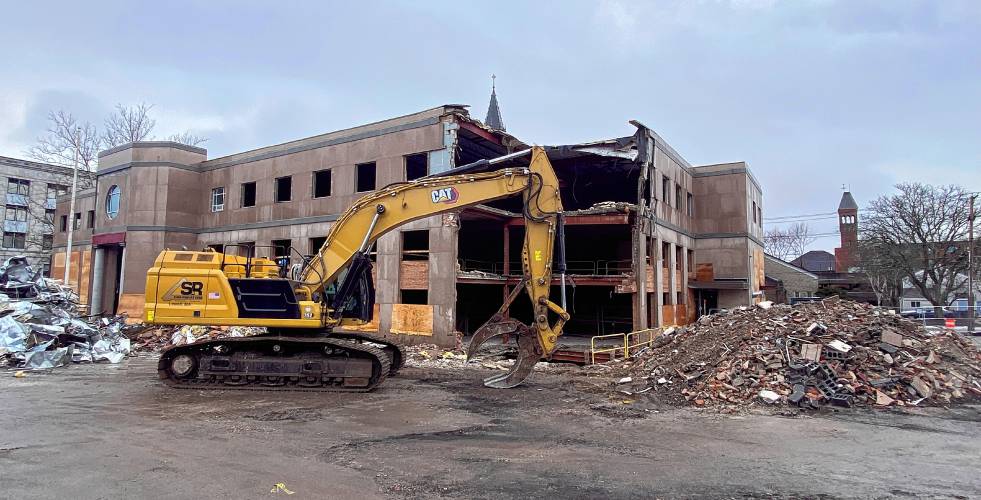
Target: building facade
[
  {"x": 652, "y": 240},
  {"x": 29, "y": 208}
]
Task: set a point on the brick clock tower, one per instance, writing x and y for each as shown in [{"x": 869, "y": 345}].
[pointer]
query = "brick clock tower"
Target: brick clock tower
[{"x": 845, "y": 255}]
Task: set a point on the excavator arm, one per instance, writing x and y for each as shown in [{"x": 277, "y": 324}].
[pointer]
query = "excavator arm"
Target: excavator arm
[{"x": 386, "y": 209}]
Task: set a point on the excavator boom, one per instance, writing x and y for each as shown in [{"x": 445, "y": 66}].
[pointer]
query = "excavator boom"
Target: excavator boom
[{"x": 335, "y": 289}]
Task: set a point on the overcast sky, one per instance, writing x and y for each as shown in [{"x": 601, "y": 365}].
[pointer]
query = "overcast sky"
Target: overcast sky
[{"x": 812, "y": 94}]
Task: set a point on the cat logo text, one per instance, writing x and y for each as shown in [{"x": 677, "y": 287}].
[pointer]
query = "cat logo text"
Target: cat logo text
[{"x": 445, "y": 195}]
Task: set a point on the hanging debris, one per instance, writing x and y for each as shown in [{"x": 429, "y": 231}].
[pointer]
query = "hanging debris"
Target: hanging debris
[{"x": 832, "y": 352}]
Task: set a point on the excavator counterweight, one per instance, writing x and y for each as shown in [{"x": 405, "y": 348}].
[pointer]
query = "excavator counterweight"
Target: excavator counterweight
[{"x": 306, "y": 311}]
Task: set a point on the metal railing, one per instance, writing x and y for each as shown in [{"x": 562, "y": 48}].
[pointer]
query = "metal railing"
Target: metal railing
[
  {"x": 580, "y": 267},
  {"x": 626, "y": 343}
]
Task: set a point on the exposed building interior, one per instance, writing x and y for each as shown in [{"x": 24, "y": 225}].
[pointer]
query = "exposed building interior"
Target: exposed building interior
[{"x": 599, "y": 196}]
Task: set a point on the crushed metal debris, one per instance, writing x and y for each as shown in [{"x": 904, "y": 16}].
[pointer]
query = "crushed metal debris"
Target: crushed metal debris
[{"x": 41, "y": 327}]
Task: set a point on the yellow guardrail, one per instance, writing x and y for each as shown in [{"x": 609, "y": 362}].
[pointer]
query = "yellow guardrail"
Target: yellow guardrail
[{"x": 628, "y": 341}]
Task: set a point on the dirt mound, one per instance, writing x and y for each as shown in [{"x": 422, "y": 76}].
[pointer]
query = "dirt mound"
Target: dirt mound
[{"x": 830, "y": 352}]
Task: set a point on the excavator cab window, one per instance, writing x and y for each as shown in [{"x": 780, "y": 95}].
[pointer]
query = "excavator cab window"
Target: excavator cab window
[{"x": 355, "y": 297}]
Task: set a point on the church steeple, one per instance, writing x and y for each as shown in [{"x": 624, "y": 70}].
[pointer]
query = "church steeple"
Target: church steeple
[{"x": 493, "y": 119}]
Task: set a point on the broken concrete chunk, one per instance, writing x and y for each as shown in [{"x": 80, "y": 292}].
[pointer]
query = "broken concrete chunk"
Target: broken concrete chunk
[
  {"x": 922, "y": 387},
  {"x": 766, "y": 304},
  {"x": 883, "y": 399},
  {"x": 816, "y": 329},
  {"x": 888, "y": 348},
  {"x": 798, "y": 394},
  {"x": 839, "y": 346},
  {"x": 892, "y": 338},
  {"x": 625, "y": 380},
  {"x": 769, "y": 396}
]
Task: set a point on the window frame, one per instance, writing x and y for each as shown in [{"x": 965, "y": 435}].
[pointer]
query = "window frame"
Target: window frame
[
  {"x": 255, "y": 194},
  {"x": 278, "y": 189},
  {"x": 405, "y": 165},
  {"x": 357, "y": 177},
  {"x": 216, "y": 192},
  {"x": 15, "y": 238},
  {"x": 18, "y": 183},
  {"x": 113, "y": 200},
  {"x": 20, "y": 213},
  {"x": 315, "y": 184}
]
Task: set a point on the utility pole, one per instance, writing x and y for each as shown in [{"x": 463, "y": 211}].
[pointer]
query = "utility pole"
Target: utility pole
[
  {"x": 971, "y": 304},
  {"x": 71, "y": 213}
]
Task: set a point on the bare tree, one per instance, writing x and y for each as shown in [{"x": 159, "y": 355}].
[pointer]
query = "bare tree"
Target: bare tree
[
  {"x": 921, "y": 233},
  {"x": 187, "y": 138},
  {"x": 128, "y": 124},
  {"x": 788, "y": 243},
  {"x": 66, "y": 141},
  {"x": 886, "y": 280}
]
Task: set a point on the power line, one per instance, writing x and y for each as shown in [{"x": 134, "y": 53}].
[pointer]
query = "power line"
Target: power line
[
  {"x": 792, "y": 218},
  {"x": 796, "y": 216}
]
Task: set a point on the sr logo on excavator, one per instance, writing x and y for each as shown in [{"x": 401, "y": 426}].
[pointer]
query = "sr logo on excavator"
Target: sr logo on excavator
[
  {"x": 445, "y": 195},
  {"x": 185, "y": 290}
]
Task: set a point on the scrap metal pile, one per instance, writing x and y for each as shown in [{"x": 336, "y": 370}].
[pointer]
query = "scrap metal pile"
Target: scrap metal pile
[
  {"x": 834, "y": 352},
  {"x": 162, "y": 337},
  {"x": 40, "y": 324}
]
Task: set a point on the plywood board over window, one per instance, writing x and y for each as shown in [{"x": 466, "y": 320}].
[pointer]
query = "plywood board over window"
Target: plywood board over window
[{"x": 412, "y": 319}]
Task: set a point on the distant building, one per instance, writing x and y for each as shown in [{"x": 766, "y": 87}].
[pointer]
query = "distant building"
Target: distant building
[
  {"x": 847, "y": 253},
  {"x": 816, "y": 261},
  {"x": 29, "y": 208},
  {"x": 785, "y": 281},
  {"x": 913, "y": 298},
  {"x": 837, "y": 274}
]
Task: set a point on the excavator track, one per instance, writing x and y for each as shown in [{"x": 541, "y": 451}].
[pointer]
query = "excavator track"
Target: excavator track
[
  {"x": 276, "y": 363},
  {"x": 394, "y": 351}
]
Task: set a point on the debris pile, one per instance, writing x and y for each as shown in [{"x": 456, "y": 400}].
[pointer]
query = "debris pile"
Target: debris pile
[
  {"x": 40, "y": 324},
  {"x": 833, "y": 352},
  {"x": 162, "y": 337}
]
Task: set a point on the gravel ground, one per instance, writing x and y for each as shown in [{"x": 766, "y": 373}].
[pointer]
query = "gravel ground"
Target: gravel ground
[{"x": 113, "y": 431}]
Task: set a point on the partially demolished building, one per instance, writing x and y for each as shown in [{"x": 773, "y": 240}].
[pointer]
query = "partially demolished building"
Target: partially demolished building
[{"x": 651, "y": 239}]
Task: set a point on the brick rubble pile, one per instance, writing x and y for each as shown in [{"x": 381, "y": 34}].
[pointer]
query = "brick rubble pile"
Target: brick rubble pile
[{"x": 833, "y": 352}]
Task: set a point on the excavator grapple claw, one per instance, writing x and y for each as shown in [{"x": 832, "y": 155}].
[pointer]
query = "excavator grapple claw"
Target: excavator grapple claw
[
  {"x": 529, "y": 350},
  {"x": 529, "y": 353},
  {"x": 494, "y": 327}
]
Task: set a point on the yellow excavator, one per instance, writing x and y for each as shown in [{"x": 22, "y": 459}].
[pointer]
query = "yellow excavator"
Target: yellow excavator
[{"x": 305, "y": 312}]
